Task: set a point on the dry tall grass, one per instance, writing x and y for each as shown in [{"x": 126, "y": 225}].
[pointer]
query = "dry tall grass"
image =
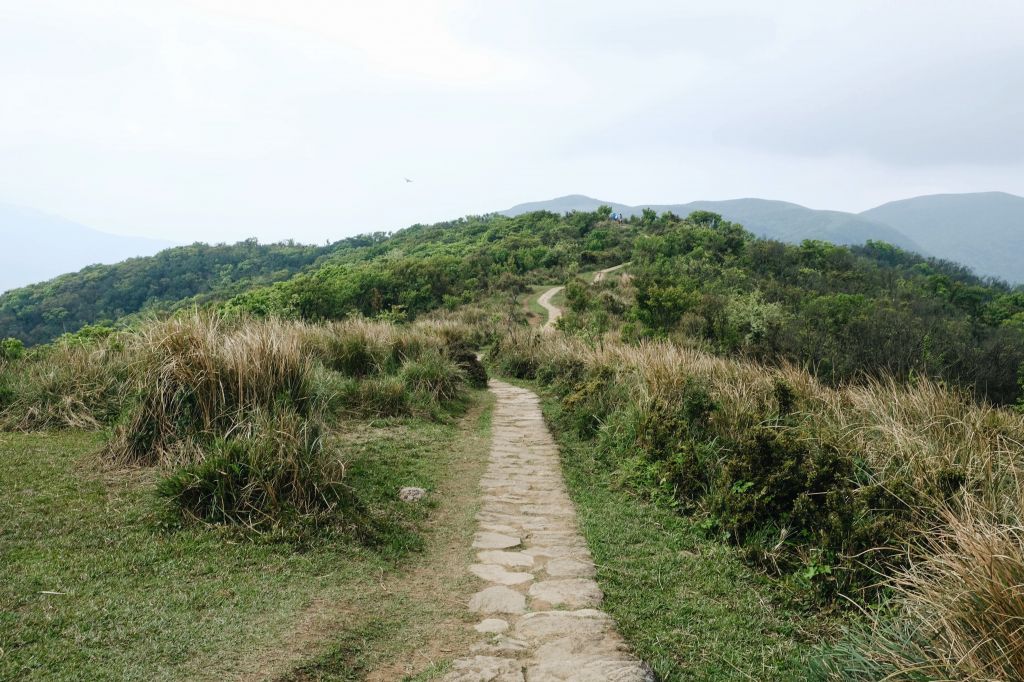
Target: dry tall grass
[
  {"x": 956, "y": 602},
  {"x": 237, "y": 408}
]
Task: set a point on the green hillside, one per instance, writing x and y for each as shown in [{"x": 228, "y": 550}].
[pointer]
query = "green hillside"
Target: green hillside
[
  {"x": 983, "y": 231},
  {"x": 810, "y": 451},
  {"x": 779, "y": 220},
  {"x": 845, "y": 311},
  {"x": 174, "y": 277}
]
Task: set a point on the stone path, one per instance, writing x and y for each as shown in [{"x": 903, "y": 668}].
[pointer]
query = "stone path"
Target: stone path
[
  {"x": 554, "y": 312},
  {"x": 539, "y": 612}
]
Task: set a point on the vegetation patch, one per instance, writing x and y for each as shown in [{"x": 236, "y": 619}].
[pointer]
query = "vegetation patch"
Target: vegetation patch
[
  {"x": 686, "y": 603},
  {"x": 236, "y": 412},
  {"x": 831, "y": 490}
]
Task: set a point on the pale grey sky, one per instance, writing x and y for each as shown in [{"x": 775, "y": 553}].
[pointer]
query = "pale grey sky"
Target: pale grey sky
[{"x": 222, "y": 119}]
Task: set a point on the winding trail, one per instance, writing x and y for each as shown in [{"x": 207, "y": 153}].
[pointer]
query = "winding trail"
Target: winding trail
[
  {"x": 554, "y": 312},
  {"x": 539, "y": 616},
  {"x": 599, "y": 275}
]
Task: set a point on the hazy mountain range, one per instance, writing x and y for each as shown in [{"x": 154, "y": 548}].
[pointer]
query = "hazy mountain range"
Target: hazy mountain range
[
  {"x": 37, "y": 246},
  {"x": 984, "y": 231}
]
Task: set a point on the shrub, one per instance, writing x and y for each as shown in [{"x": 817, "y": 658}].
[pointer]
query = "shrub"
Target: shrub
[
  {"x": 11, "y": 349},
  {"x": 352, "y": 356},
  {"x": 278, "y": 468},
  {"x": 81, "y": 385},
  {"x": 197, "y": 378},
  {"x": 385, "y": 396},
  {"x": 435, "y": 376},
  {"x": 466, "y": 360}
]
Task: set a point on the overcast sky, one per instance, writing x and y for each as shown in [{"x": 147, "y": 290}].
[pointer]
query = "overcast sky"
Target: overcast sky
[{"x": 217, "y": 120}]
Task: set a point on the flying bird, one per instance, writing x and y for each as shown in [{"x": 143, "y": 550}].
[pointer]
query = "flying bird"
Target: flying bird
[{"x": 408, "y": 180}]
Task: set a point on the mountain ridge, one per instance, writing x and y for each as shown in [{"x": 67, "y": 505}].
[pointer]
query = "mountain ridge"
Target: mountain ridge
[
  {"x": 982, "y": 230},
  {"x": 902, "y": 223}
]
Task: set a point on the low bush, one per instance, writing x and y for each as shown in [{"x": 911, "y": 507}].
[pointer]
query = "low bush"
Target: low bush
[
  {"x": 65, "y": 385},
  {"x": 281, "y": 468},
  {"x": 11, "y": 350},
  {"x": 435, "y": 376},
  {"x": 197, "y": 378}
]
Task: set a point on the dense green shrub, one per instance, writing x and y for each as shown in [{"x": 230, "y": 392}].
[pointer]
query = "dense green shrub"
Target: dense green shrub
[
  {"x": 845, "y": 312},
  {"x": 435, "y": 376},
  {"x": 466, "y": 359},
  {"x": 11, "y": 349},
  {"x": 279, "y": 468}
]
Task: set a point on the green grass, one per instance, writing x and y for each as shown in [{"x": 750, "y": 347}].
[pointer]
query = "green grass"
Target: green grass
[
  {"x": 685, "y": 603},
  {"x": 141, "y": 600}
]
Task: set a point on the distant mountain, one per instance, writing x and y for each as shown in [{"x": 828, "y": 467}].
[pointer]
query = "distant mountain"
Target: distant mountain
[
  {"x": 37, "y": 246},
  {"x": 772, "y": 219},
  {"x": 984, "y": 231}
]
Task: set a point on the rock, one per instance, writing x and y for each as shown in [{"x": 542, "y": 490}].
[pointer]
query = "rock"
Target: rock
[
  {"x": 573, "y": 593},
  {"x": 498, "y": 599},
  {"x": 569, "y": 568},
  {"x": 411, "y": 494},
  {"x": 500, "y": 646},
  {"x": 494, "y": 541},
  {"x": 508, "y": 559},
  {"x": 497, "y": 574},
  {"x": 491, "y": 626},
  {"x": 485, "y": 669},
  {"x": 544, "y": 625},
  {"x": 592, "y": 668}
]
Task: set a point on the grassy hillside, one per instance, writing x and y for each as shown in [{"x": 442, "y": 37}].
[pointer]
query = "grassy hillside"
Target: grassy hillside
[
  {"x": 787, "y": 459},
  {"x": 237, "y": 513},
  {"x": 984, "y": 231}
]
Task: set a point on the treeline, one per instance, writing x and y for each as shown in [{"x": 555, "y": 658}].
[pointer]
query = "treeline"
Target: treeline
[
  {"x": 845, "y": 313},
  {"x": 427, "y": 267},
  {"x": 103, "y": 293},
  {"x": 400, "y": 275}
]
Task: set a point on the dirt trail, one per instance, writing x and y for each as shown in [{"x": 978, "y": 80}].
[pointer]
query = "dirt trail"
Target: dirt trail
[
  {"x": 554, "y": 312},
  {"x": 539, "y": 616},
  {"x": 599, "y": 275}
]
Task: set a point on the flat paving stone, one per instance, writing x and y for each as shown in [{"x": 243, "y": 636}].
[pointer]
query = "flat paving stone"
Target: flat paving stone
[
  {"x": 571, "y": 592},
  {"x": 498, "y": 599},
  {"x": 490, "y": 540},
  {"x": 569, "y": 568},
  {"x": 491, "y": 626},
  {"x": 499, "y": 575},
  {"x": 486, "y": 669},
  {"x": 508, "y": 559}
]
